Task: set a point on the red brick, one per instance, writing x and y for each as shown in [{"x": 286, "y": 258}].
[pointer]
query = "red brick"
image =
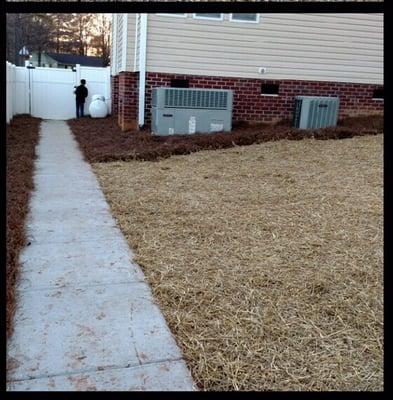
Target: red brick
[{"x": 248, "y": 104}]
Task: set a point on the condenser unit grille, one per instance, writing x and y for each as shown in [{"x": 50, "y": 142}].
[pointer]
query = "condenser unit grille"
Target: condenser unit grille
[
  {"x": 193, "y": 98},
  {"x": 315, "y": 112},
  {"x": 322, "y": 113},
  {"x": 178, "y": 98}
]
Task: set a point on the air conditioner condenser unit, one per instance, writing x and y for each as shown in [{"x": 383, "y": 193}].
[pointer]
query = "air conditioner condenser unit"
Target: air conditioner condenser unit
[
  {"x": 191, "y": 110},
  {"x": 313, "y": 112}
]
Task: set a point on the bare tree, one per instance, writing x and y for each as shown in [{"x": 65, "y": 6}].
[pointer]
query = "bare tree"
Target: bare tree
[
  {"x": 101, "y": 39},
  {"x": 30, "y": 30},
  {"x": 39, "y": 33},
  {"x": 62, "y": 32},
  {"x": 11, "y": 38},
  {"x": 82, "y": 25}
]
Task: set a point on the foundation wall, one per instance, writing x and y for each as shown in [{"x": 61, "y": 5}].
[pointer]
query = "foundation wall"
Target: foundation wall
[
  {"x": 251, "y": 106},
  {"x": 248, "y": 103}
]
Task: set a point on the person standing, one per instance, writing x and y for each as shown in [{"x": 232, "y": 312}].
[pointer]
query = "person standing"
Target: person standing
[{"x": 81, "y": 93}]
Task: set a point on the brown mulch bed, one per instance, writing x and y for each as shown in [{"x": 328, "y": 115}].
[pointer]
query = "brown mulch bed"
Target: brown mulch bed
[
  {"x": 21, "y": 139},
  {"x": 102, "y": 140}
]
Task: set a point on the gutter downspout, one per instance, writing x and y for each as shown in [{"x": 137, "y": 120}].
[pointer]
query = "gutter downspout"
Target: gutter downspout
[
  {"x": 142, "y": 69},
  {"x": 136, "y": 67},
  {"x": 114, "y": 45}
]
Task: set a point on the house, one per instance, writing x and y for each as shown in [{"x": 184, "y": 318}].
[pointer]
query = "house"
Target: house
[
  {"x": 59, "y": 60},
  {"x": 266, "y": 59}
]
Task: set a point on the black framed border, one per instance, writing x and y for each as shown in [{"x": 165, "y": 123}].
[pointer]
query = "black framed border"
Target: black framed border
[
  {"x": 194, "y": 6},
  {"x": 223, "y": 7}
]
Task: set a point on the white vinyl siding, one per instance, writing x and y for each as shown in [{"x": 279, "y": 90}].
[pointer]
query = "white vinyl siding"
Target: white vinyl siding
[
  {"x": 131, "y": 42},
  {"x": 320, "y": 47},
  {"x": 119, "y": 40}
]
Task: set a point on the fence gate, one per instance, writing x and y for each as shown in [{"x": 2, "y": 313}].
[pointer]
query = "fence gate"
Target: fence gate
[
  {"x": 51, "y": 93},
  {"x": 48, "y": 93}
]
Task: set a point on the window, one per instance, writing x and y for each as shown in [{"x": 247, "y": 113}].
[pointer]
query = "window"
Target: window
[
  {"x": 180, "y": 83},
  {"x": 270, "y": 89},
  {"x": 378, "y": 94},
  {"x": 244, "y": 17},
  {"x": 181, "y": 15},
  {"x": 216, "y": 16}
]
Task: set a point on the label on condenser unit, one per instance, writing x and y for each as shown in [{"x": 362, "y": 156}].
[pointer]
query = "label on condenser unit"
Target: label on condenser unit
[
  {"x": 192, "y": 125},
  {"x": 216, "y": 126},
  {"x": 171, "y": 131}
]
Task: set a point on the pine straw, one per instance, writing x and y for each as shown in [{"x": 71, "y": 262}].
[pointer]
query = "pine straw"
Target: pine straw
[
  {"x": 266, "y": 260},
  {"x": 21, "y": 139}
]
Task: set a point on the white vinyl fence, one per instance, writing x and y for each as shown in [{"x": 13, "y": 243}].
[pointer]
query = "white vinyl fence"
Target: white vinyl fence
[
  {"x": 10, "y": 91},
  {"x": 48, "y": 93}
]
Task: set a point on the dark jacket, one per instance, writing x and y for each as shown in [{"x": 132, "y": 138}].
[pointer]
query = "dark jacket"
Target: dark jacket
[{"x": 81, "y": 93}]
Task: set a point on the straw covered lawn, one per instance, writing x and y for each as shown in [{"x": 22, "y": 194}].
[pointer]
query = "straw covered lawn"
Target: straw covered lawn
[{"x": 266, "y": 260}]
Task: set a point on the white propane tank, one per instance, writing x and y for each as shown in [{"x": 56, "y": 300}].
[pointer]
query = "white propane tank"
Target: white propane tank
[{"x": 98, "y": 107}]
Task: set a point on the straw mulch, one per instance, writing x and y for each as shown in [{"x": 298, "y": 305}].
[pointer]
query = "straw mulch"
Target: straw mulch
[
  {"x": 101, "y": 140},
  {"x": 21, "y": 139},
  {"x": 266, "y": 260}
]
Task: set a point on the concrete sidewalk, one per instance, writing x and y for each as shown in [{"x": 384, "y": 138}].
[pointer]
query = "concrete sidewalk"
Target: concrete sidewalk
[{"x": 85, "y": 318}]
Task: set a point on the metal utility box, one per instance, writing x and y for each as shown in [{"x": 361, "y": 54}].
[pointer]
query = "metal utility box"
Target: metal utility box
[
  {"x": 188, "y": 111},
  {"x": 315, "y": 112}
]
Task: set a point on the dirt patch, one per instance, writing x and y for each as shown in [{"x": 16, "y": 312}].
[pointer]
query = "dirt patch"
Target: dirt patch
[
  {"x": 102, "y": 140},
  {"x": 21, "y": 139},
  {"x": 266, "y": 260}
]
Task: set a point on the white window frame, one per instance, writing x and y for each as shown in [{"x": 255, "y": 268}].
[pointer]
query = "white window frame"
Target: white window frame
[
  {"x": 244, "y": 21},
  {"x": 221, "y": 18},
  {"x": 176, "y": 15}
]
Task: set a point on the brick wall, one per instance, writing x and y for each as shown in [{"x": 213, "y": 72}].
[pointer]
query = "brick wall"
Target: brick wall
[
  {"x": 128, "y": 100},
  {"x": 115, "y": 94},
  {"x": 250, "y": 105}
]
